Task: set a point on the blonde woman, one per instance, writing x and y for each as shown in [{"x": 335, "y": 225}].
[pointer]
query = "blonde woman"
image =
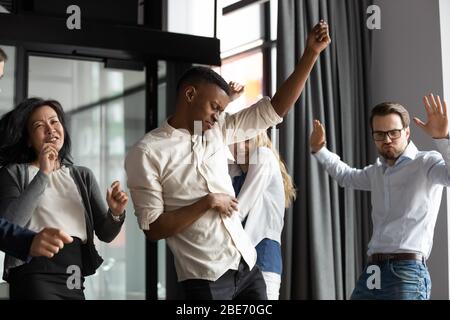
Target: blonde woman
[{"x": 263, "y": 189}]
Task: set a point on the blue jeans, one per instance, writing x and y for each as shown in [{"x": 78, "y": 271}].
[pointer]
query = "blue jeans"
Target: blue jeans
[
  {"x": 399, "y": 280},
  {"x": 269, "y": 256}
]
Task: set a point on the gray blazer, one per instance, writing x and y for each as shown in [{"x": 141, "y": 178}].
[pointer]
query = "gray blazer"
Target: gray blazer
[{"x": 18, "y": 199}]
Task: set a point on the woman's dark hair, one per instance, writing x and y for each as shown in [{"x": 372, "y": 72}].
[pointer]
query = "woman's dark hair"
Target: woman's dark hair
[
  {"x": 3, "y": 56},
  {"x": 14, "y": 135}
]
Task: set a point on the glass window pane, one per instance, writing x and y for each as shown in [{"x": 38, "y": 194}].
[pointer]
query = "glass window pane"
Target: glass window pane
[
  {"x": 240, "y": 27},
  {"x": 194, "y": 17},
  {"x": 273, "y": 19},
  {"x": 246, "y": 69},
  {"x": 7, "y": 82},
  {"x": 105, "y": 118},
  {"x": 6, "y": 103},
  {"x": 225, "y": 3},
  {"x": 162, "y": 283},
  {"x": 5, "y": 7},
  {"x": 78, "y": 83},
  {"x": 162, "y": 94},
  {"x": 273, "y": 67}
]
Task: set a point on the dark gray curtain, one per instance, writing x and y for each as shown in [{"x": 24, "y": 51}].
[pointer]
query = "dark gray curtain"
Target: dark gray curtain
[{"x": 327, "y": 230}]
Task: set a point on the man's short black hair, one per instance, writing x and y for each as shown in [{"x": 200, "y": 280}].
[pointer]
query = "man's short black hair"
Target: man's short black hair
[
  {"x": 199, "y": 74},
  {"x": 3, "y": 56}
]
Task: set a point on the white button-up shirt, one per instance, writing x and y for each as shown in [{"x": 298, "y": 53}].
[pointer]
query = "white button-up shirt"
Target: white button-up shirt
[
  {"x": 405, "y": 197},
  {"x": 169, "y": 169},
  {"x": 262, "y": 199}
]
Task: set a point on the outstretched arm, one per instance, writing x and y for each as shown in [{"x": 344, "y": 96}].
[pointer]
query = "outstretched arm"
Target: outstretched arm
[
  {"x": 247, "y": 123},
  {"x": 24, "y": 244},
  {"x": 340, "y": 171},
  {"x": 290, "y": 90}
]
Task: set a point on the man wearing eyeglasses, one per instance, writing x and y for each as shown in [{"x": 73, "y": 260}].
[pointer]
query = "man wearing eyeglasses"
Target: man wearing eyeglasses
[{"x": 406, "y": 186}]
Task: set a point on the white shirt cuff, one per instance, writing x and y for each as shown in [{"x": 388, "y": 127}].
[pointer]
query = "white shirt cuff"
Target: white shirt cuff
[{"x": 323, "y": 155}]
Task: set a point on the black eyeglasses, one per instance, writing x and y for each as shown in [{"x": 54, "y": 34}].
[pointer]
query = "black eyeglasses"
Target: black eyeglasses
[{"x": 392, "y": 134}]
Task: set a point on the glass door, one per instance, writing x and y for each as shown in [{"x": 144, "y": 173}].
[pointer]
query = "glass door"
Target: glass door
[
  {"x": 106, "y": 116},
  {"x": 7, "y": 81},
  {"x": 6, "y": 103}
]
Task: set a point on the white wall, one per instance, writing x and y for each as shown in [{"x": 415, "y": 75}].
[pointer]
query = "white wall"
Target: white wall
[
  {"x": 407, "y": 64},
  {"x": 444, "y": 11}
]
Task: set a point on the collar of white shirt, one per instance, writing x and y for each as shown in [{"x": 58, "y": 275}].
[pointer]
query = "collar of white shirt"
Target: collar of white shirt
[
  {"x": 173, "y": 131},
  {"x": 410, "y": 153}
]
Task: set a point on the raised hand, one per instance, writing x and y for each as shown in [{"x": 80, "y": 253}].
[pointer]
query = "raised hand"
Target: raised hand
[
  {"x": 116, "y": 199},
  {"x": 317, "y": 139},
  {"x": 319, "y": 37},
  {"x": 236, "y": 90},
  {"x": 437, "y": 122},
  {"x": 48, "y": 242},
  {"x": 48, "y": 158}
]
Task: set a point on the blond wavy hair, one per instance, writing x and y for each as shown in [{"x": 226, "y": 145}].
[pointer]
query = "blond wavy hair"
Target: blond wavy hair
[{"x": 290, "y": 192}]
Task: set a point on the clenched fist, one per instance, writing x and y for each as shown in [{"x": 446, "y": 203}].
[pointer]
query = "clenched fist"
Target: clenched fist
[{"x": 48, "y": 242}]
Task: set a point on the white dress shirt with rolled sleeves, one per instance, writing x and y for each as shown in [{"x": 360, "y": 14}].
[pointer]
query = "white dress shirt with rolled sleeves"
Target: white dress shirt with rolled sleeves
[
  {"x": 405, "y": 197},
  {"x": 169, "y": 169}
]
